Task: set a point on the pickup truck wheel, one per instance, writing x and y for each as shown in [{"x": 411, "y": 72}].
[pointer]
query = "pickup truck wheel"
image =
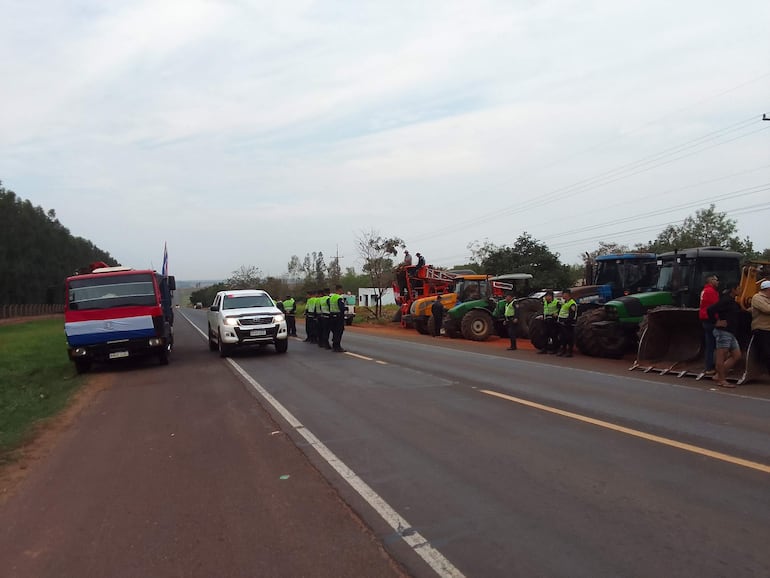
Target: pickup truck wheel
[
  {"x": 82, "y": 365},
  {"x": 212, "y": 343},
  {"x": 224, "y": 349},
  {"x": 163, "y": 356},
  {"x": 281, "y": 346}
]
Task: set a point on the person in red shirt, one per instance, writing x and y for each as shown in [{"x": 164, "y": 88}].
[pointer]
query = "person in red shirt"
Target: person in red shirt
[{"x": 708, "y": 297}]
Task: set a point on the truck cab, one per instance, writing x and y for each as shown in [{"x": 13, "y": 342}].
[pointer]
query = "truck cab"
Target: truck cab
[{"x": 118, "y": 312}]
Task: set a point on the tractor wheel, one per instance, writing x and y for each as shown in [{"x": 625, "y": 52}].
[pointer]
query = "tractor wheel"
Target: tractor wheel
[
  {"x": 397, "y": 316},
  {"x": 421, "y": 325},
  {"x": 528, "y": 308},
  {"x": 599, "y": 342},
  {"x": 536, "y": 332},
  {"x": 477, "y": 325}
]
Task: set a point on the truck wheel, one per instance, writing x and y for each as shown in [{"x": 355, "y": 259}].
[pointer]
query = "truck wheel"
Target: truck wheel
[
  {"x": 212, "y": 343},
  {"x": 397, "y": 316},
  {"x": 281, "y": 346},
  {"x": 163, "y": 356},
  {"x": 477, "y": 325},
  {"x": 421, "y": 325},
  {"x": 224, "y": 349},
  {"x": 82, "y": 365},
  {"x": 599, "y": 341}
]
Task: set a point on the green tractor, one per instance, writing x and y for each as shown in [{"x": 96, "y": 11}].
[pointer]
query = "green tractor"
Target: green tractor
[
  {"x": 611, "y": 331},
  {"x": 611, "y": 276},
  {"x": 474, "y": 315}
]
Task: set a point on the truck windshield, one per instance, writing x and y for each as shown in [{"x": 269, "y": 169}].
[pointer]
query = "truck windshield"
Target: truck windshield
[
  {"x": 246, "y": 301},
  {"x": 111, "y": 291},
  {"x": 632, "y": 275}
]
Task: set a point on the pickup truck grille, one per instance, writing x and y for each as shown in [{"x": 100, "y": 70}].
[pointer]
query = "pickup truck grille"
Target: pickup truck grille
[{"x": 256, "y": 320}]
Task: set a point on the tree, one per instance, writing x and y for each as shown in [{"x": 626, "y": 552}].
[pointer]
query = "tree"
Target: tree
[
  {"x": 37, "y": 252},
  {"x": 334, "y": 271},
  {"x": 527, "y": 255},
  {"x": 246, "y": 277},
  {"x": 609, "y": 249},
  {"x": 707, "y": 228},
  {"x": 374, "y": 250},
  {"x": 319, "y": 268},
  {"x": 294, "y": 268}
]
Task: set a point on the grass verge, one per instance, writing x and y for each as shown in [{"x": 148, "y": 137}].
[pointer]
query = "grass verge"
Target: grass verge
[{"x": 36, "y": 379}]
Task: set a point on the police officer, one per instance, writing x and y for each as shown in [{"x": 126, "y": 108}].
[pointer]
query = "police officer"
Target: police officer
[
  {"x": 290, "y": 306},
  {"x": 511, "y": 319},
  {"x": 310, "y": 319},
  {"x": 566, "y": 319},
  {"x": 322, "y": 311},
  {"x": 337, "y": 307},
  {"x": 550, "y": 312}
]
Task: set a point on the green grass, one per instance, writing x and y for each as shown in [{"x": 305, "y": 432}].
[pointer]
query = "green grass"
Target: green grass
[{"x": 36, "y": 378}]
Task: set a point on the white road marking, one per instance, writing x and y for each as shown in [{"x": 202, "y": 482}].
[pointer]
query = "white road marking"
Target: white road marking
[
  {"x": 416, "y": 541},
  {"x": 359, "y": 356}
]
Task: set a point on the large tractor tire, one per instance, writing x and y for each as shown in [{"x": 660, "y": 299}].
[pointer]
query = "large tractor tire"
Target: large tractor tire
[
  {"x": 598, "y": 341},
  {"x": 397, "y": 316},
  {"x": 421, "y": 325},
  {"x": 528, "y": 308},
  {"x": 536, "y": 332},
  {"x": 477, "y": 325}
]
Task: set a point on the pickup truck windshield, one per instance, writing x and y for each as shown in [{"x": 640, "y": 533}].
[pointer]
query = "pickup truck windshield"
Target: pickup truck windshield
[
  {"x": 111, "y": 291},
  {"x": 246, "y": 301}
]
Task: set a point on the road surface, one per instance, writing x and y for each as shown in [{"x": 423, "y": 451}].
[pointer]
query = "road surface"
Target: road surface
[{"x": 459, "y": 460}]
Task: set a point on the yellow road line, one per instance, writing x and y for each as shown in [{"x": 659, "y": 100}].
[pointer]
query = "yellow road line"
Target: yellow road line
[{"x": 636, "y": 433}]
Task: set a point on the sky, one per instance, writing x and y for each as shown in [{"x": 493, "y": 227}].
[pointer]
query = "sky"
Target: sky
[{"x": 241, "y": 133}]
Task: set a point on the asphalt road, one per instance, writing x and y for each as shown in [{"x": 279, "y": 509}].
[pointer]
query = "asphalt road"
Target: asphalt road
[{"x": 458, "y": 461}]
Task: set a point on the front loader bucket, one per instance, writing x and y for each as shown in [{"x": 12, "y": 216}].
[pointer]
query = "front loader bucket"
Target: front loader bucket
[{"x": 671, "y": 342}]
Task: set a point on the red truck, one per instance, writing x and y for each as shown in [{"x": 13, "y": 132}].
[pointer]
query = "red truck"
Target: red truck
[{"x": 118, "y": 312}]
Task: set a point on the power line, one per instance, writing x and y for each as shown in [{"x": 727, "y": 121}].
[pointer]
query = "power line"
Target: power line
[{"x": 608, "y": 177}]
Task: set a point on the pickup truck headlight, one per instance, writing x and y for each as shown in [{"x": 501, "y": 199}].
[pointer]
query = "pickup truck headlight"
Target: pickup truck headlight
[
  {"x": 279, "y": 318},
  {"x": 231, "y": 321}
]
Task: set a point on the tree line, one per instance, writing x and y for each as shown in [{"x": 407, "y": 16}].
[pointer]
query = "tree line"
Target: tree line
[
  {"x": 37, "y": 252},
  {"x": 707, "y": 227}
]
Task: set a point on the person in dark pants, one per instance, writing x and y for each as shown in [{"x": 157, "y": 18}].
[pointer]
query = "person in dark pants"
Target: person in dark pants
[
  {"x": 566, "y": 319},
  {"x": 337, "y": 309},
  {"x": 322, "y": 311},
  {"x": 310, "y": 317},
  {"x": 511, "y": 314},
  {"x": 550, "y": 313},
  {"x": 437, "y": 314},
  {"x": 708, "y": 296},
  {"x": 290, "y": 305}
]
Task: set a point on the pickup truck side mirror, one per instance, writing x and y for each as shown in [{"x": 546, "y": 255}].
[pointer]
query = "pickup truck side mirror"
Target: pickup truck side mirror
[
  {"x": 172, "y": 283},
  {"x": 214, "y": 308}
]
